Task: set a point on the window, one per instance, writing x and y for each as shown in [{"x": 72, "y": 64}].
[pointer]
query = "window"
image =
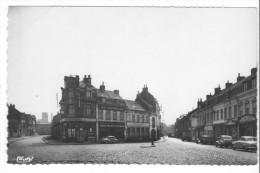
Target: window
[
  {"x": 143, "y": 119},
  {"x": 108, "y": 117},
  {"x": 128, "y": 117},
  {"x": 254, "y": 83},
  {"x": 142, "y": 132},
  {"x": 114, "y": 115},
  {"x": 254, "y": 107},
  {"x": 214, "y": 116},
  {"x": 235, "y": 111},
  {"x": 211, "y": 116},
  {"x": 245, "y": 87},
  {"x": 133, "y": 117},
  {"x": 229, "y": 112},
  {"x": 88, "y": 110},
  {"x": 225, "y": 113},
  {"x": 221, "y": 114},
  {"x": 103, "y": 100},
  {"x": 100, "y": 114},
  {"x": 217, "y": 114},
  {"x": 247, "y": 107},
  {"x": 138, "y": 118},
  {"x": 241, "y": 109},
  {"x": 153, "y": 122},
  {"x": 88, "y": 94},
  {"x": 71, "y": 109},
  {"x": 71, "y": 93},
  {"x": 147, "y": 119},
  {"x": 121, "y": 116}
]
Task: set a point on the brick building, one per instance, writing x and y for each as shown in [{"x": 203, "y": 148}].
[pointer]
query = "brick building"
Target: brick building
[
  {"x": 89, "y": 113},
  {"x": 230, "y": 111}
]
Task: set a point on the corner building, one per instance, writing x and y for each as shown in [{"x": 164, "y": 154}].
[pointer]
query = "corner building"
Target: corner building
[{"x": 89, "y": 114}]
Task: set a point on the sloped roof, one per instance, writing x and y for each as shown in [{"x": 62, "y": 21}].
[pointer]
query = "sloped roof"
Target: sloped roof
[
  {"x": 82, "y": 84},
  {"x": 133, "y": 105},
  {"x": 108, "y": 94}
]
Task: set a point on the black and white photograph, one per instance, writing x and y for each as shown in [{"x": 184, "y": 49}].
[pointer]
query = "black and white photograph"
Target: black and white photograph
[{"x": 132, "y": 85}]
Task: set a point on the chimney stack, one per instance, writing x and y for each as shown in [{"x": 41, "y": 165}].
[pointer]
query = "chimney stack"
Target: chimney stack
[
  {"x": 145, "y": 89},
  {"x": 102, "y": 87},
  {"x": 228, "y": 84},
  {"x": 239, "y": 78},
  {"x": 253, "y": 71},
  {"x": 208, "y": 96},
  {"x": 116, "y": 92},
  {"x": 217, "y": 90}
]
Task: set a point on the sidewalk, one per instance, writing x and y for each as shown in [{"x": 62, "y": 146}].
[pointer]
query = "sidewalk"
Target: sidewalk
[{"x": 51, "y": 141}]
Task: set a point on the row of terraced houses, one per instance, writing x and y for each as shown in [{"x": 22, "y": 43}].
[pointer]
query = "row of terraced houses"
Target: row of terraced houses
[
  {"x": 230, "y": 111},
  {"x": 90, "y": 113}
]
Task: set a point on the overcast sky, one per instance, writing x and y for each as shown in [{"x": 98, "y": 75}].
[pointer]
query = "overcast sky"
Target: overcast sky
[{"x": 182, "y": 54}]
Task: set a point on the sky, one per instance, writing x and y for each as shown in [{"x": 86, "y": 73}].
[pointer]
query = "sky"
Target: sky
[{"x": 181, "y": 54}]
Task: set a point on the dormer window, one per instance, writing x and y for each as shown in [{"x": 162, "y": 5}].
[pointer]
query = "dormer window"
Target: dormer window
[{"x": 103, "y": 100}]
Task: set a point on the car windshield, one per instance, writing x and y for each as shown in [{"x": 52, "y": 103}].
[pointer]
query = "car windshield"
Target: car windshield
[
  {"x": 227, "y": 137},
  {"x": 250, "y": 139}
]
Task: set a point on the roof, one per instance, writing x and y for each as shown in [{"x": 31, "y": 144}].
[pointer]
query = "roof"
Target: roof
[
  {"x": 108, "y": 94},
  {"x": 133, "y": 105},
  {"x": 83, "y": 84}
]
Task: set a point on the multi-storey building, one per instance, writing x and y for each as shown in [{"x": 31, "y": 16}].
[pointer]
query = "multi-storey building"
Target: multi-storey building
[
  {"x": 230, "y": 111},
  {"x": 88, "y": 113}
]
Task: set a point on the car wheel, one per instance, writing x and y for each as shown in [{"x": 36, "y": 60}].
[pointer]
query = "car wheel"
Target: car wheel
[
  {"x": 106, "y": 142},
  {"x": 233, "y": 147},
  {"x": 216, "y": 145}
]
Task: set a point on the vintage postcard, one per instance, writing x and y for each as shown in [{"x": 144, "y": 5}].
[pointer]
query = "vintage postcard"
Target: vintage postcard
[{"x": 131, "y": 85}]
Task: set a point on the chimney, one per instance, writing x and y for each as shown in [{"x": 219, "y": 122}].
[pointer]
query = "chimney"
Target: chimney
[
  {"x": 102, "y": 87},
  {"x": 145, "y": 89},
  {"x": 218, "y": 89},
  {"x": 85, "y": 78},
  {"x": 88, "y": 80},
  {"x": 116, "y": 92},
  {"x": 253, "y": 71},
  {"x": 208, "y": 96},
  {"x": 199, "y": 103},
  {"x": 239, "y": 78},
  {"x": 228, "y": 84},
  {"x": 77, "y": 80}
]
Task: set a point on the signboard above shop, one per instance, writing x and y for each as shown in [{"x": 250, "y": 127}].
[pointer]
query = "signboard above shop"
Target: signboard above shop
[
  {"x": 108, "y": 107},
  {"x": 247, "y": 118}
]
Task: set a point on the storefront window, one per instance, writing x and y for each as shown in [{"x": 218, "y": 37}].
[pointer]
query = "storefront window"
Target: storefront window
[
  {"x": 138, "y": 132},
  {"x": 142, "y": 132}
]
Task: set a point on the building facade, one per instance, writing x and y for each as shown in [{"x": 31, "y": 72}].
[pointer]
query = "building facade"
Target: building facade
[
  {"x": 89, "y": 114},
  {"x": 230, "y": 111}
]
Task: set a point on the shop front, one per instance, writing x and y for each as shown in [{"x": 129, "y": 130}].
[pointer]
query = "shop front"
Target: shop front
[
  {"x": 209, "y": 130},
  {"x": 232, "y": 129},
  {"x": 111, "y": 129},
  {"x": 247, "y": 125},
  {"x": 200, "y": 130},
  {"x": 78, "y": 131},
  {"x": 218, "y": 129}
]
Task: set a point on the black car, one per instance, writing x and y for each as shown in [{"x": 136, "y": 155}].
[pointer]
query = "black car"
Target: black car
[
  {"x": 224, "y": 141},
  {"x": 204, "y": 139}
]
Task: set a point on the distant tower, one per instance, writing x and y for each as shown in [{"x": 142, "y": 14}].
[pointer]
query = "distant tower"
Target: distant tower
[{"x": 45, "y": 117}]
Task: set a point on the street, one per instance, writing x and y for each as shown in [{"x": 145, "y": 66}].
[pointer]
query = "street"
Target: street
[{"x": 171, "y": 151}]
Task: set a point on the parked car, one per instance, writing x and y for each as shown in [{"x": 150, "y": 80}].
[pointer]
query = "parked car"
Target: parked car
[
  {"x": 246, "y": 143},
  {"x": 109, "y": 140},
  {"x": 224, "y": 141},
  {"x": 204, "y": 139}
]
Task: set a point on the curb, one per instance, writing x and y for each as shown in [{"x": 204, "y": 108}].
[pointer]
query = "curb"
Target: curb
[{"x": 10, "y": 143}]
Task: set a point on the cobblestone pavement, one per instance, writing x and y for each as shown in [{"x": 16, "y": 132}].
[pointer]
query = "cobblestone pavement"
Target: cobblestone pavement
[{"x": 172, "y": 151}]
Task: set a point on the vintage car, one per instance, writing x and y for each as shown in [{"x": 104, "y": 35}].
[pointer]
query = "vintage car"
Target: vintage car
[
  {"x": 204, "y": 139},
  {"x": 224, "y": 141},
  {"x": 109, "y": 140},
  {"x": 245, "y": 143}
]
